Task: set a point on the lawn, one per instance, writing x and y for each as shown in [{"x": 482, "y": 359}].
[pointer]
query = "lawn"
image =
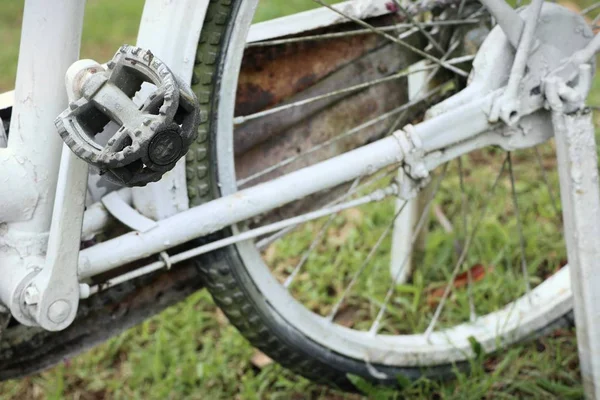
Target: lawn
[{"x": 190, "y": 350}]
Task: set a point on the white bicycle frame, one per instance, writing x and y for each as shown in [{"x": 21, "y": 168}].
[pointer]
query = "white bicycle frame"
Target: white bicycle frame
[
  {"x": 44, "y": 186},
  {"x": 32, "y": 160}
]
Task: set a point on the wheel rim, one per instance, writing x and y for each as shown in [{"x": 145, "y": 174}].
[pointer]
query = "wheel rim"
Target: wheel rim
[{"x": 529, "y": 313}]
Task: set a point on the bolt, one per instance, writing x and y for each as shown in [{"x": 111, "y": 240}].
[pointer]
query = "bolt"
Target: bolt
[
  {"x": 31, "y": 296},
  {"x": 59, "y": 311}
]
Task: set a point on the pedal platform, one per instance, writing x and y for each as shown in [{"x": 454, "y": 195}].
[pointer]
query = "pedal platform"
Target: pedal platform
[{"x": 150, "y": 137}]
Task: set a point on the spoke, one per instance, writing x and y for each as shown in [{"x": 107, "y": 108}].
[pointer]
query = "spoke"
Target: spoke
[
  {"x": 420, "y": 27},
  {"x": 540, "y": 162},
  {"x": 329, "y": 142},
  {"x": 428, "y": 80},
  {"x": 263, "y": 243},
  {"x": 308, "y": 252},
  {"x": 417, "y": 231},
  {"x": 519, "y": 223},
  {"x": 365, "y": 125},
  {"x": 465, "y": 230},
  {"x": 364, "y": 265},
  {"x": 398, "y": 41},
  {"x": 401, "y": 74},
  {"x": 375, "y": 196},
  {"x": 167, "y": 261},
  {"x": 391, "y": 28},
  {"x": 464, "y": 253},
  {"x": 315, "y": 242},
  {"x": 590, "y": 9},
  {"x": 461, "y": 6},
  {"x": 375, "y": 326}
]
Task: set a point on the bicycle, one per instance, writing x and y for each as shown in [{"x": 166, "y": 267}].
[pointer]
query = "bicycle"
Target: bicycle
[{"x": 289, "y": 188}]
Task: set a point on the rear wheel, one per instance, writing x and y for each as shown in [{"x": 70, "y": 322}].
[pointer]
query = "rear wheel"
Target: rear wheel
[{"x": 349, "y": 293}]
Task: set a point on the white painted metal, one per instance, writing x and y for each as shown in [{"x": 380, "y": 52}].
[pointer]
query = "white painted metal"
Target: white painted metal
[
  {"x": 524, "y": 315},
  {"x": 30, "y": 163},
  {"x": 507, "y": 107},
  {"x": 53, "y": 34},
  {"x": 162, "y": 29},
  {"x": 177, "y": 49},
  {"x": 400, "y": 261},
  {"x": 580, "y": 195},
  {"x": 168, "y": 261},
  {"x": 256, "y": 200},
  {"x": 241, "y": 206},
  {"x": 57, "y": 282},
  {"x": 507, "y": 18},
  {"x": 550, "y": 300},
  {"x": 129, "y": 216},
  {"x": 317, "y": 18},
  {"x": 19, "y": 199},
  {"x": 96, "y": 217}
]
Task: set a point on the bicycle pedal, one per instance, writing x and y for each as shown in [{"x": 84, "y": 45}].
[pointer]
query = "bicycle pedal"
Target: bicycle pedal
[{"x": 151, "y": 135}]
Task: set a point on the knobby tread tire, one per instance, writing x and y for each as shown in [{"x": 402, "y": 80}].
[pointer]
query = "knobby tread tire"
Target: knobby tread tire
[
  {"x": 222, "y": 272},
  {"x": 227, "y": 279}
]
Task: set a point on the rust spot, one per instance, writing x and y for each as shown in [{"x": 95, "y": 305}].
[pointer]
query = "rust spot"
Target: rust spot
[
  {"x": 306, "y": 81},
  {"x": 251, "y": 96},
  {"x": 271, "y": 74}
]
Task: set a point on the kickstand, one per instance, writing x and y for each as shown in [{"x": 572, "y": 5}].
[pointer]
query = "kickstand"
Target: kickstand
[{"x": 580, "y": 195}]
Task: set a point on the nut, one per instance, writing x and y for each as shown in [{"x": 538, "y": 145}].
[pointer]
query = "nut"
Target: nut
[
  {"x": 59, "y": 311},
  {"x": 31, "y": 295}
]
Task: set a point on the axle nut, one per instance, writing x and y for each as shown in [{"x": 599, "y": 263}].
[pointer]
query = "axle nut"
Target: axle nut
[
  {"x": 59, "y": 311},
  {"x": 31, "y": 296}
]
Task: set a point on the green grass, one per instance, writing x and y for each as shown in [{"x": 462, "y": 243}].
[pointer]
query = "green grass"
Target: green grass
[
  {"x": 108, "y": 24},
  {"x": 190, "y": 350}
]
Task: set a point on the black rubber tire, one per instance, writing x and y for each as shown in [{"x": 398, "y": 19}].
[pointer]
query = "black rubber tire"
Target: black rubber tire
[
  {"x": 229, "y": 282},
  {"x": 124, "y": 306}
]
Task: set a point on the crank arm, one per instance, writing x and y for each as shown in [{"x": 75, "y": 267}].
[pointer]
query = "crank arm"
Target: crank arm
[{"x": 52, "y": 296}]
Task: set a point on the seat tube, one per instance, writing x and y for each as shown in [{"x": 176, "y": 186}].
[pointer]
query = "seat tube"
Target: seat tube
[{"x": 50, "y": 42}]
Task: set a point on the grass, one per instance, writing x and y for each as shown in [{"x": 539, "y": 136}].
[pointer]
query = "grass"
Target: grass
[{"x": 190, "y": 350}]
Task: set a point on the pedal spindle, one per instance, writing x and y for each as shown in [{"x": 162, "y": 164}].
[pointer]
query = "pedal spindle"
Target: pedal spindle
[{"x": 150, "y": 137}]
